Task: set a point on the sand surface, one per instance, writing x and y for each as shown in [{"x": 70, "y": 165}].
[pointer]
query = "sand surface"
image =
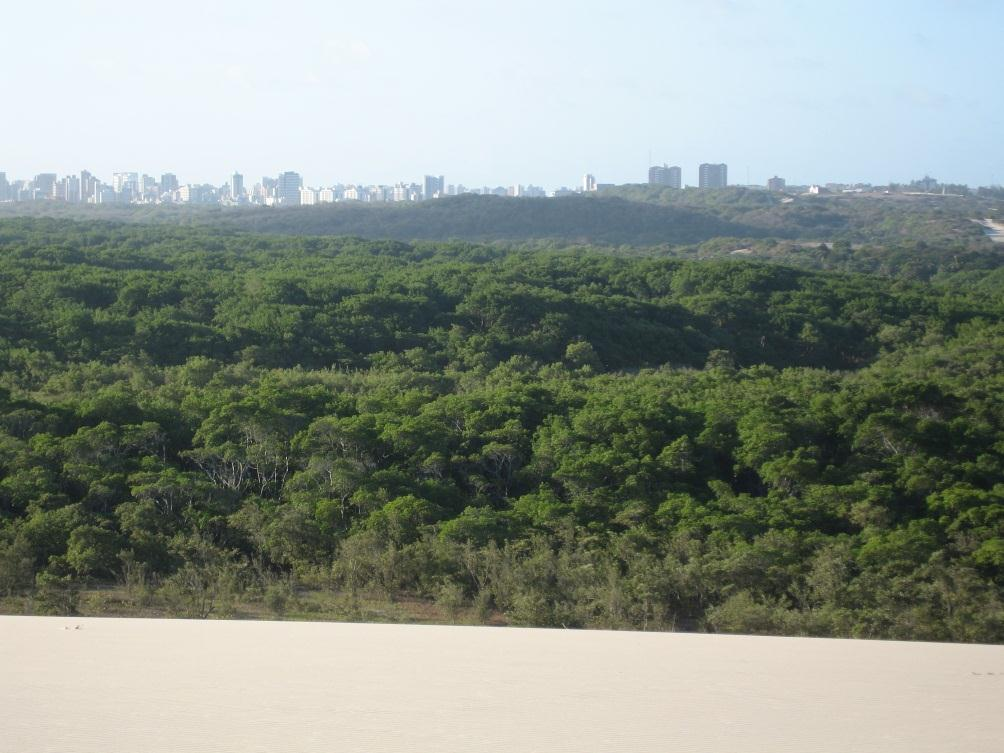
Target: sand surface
[
  {"x": 994, "y": 230},
  {"x": 146, "y": 686}
]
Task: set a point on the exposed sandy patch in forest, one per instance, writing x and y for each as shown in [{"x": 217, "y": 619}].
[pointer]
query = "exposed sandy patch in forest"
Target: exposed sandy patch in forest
[
  {"x": 114, "y": 685},
  {"x": 994, "y": 229}
]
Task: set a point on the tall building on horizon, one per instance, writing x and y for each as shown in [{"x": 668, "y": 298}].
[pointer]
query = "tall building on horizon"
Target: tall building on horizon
[
  {"x": 148, "y": 188},
  {"x": 4, "y": 187},
  {"x": 713, "y": 176},
  {"x": 776, "y": 184},
  {"x": 588, "y": 183},
  {"x": 287, "y": 188},
  {"x": 88, "y": 186},
  {"x": 69, "y": 189},
  {"x": 433, "y": 187},
  {"x": 122, "y": 182},
  {"x": 168, "y": 182},
  {"x": 236, "y": 186},
  {"x": 45, "y": 185},
  {"x": 664, "y": 175}
]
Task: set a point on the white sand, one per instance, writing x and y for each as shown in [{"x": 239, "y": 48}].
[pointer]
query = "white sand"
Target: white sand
[
  {"x": 993, "y": 229},
  {"x": 146, "y": 686}
]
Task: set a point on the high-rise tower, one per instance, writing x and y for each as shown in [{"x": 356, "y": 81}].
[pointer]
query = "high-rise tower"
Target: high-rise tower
[
  {"x": 433, "y": 187},
  {"x": 236, "y": 187},
  {"x": 287, "y": 188},
  {"x": 663, "y": 175},
  {"x": 713, "y": 176}
]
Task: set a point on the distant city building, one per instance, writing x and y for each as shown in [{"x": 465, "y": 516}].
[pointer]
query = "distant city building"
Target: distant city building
[
  {"x": 198, "y": 194},
  {"x": 236, "y": 186},
  {"x": 148, "y": 189},
  {"x": 588, "y": 183},
  {"x": 88, "y": 186},
  {"x": 105, "y": 195},
  {"x": 168, "y": 182},
  {"x": 326, "y": 196},
  {"x": 4, "y": 187},
  {"x": 776, "y": 184},
  {"x": 664, "y": 175},
  {"x": 70, "y": 189},
  {"x": 125, "y": 182},
  {"x": 433, "y": 187},
  {"x": 713, "y": 176},
  {"x": 308, "y": 197},
  {"x": 257, "y": 194},
  {"x": 267, "y": 192},
  {"x": 45, "y": 185},
  {"x": 287, "y": 188}
]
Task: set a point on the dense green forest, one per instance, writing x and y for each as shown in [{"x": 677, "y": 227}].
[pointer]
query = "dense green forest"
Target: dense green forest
[
  {"x": 571, "y": 437},
  {"x": 631, "y": 215}
]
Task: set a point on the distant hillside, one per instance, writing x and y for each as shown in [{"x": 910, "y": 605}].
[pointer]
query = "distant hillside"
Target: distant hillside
[
  {"x": 489, "y": 218},
  {"x": 475, "y": 218},
  {"x": 627, "y": 215},
  {"x": 853, "y": 218}
]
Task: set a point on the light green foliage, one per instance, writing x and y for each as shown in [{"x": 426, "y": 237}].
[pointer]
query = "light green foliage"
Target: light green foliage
[{"x": 93, "y": 550}]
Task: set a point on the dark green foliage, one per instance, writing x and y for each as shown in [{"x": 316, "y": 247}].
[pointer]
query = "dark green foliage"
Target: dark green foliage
[{"x": 563, "y": 438}]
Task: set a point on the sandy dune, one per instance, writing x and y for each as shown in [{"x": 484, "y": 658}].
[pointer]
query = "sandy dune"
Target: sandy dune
[{"x": 147, "y": 686}]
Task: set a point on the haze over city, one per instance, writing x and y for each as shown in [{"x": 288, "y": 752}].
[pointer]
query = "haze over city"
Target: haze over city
[{"x": 508, "y": 93}]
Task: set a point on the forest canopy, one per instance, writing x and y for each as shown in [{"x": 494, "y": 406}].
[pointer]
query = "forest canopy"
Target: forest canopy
[{"x": 543, "y": 436}]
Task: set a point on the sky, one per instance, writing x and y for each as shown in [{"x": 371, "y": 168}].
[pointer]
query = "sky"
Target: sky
[{"x": 497, "y": 93}]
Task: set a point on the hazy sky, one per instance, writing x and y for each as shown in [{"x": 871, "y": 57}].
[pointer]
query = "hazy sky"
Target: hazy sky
[{"x": 503, "y": 92}]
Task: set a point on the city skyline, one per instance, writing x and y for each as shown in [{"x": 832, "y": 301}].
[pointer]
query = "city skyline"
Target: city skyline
[
  {"x": 289, "y": 187},
  {"x": 683, "y": 175}
]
